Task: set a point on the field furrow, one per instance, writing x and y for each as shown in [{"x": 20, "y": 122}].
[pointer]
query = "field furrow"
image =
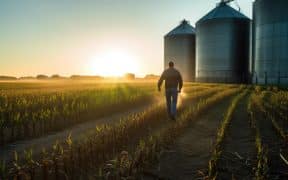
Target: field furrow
[
  {"x": 149, "y": 123},
  {"x": 191, "y": 152},
  {"x": 238, "y": 157},
  {"x": 269, "y": 143},
  {"x": 122, "y": 131},
  {"x": 162, "y": 143},
  {"x": 78, "y": 132}
]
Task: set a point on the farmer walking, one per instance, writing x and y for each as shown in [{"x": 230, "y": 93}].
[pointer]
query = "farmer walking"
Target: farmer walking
[{"x": 173, "y": 81}]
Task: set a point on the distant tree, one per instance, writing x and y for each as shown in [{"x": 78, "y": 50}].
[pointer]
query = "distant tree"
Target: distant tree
[
  {"x": 42, "y": 76},
  {"x": 151, "y": 76},
  {"x": 75, "y": 77},
  {"x": 27, "y": 78},
  {"x": 129, "y": 76},
  {"x": 80, "y": 77},
  {"x": 55, "y": 76},
  {"x": 8, "y": 78}
]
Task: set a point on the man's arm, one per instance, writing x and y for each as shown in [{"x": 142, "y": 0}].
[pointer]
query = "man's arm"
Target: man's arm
[
  {"x": 180, "y": 80},
  {"x": 161, "y": 81}
]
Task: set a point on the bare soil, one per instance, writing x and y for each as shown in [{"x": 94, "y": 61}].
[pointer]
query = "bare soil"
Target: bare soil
[
  {"x": 239, "y": 151},
  {"x": 77, "y": 132},
  {"x": 274, "y": 145},
  {"x": 189, "y": 156}
]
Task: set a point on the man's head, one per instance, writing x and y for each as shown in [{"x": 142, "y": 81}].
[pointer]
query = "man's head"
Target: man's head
[{"x": 171, "y": 64}]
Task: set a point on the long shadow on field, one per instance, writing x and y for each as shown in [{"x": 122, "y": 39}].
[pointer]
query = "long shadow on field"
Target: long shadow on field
[
  {"x": 239, "y": 152},
  {"x": 191, "y": 152}
]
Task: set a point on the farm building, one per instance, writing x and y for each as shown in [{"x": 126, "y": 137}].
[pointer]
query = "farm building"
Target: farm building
[
  {"x": 180, "y": 47},
  {"x": 270, "y": 42},
  {"x": 222, "y": 46},
  {"x": 221, "y": 49}
]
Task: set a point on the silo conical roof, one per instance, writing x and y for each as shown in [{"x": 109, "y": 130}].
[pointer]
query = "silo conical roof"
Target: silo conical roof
[
  {"x": 183, "y": 28},
  {"x": 223, "y": 11}
]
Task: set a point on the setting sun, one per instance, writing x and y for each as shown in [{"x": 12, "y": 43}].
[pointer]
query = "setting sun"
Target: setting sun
[{"x": 114, "y": 62}]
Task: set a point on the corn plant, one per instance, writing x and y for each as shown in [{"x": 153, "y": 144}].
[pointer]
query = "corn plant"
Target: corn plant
[
  {"x": 149, "y": 151},
  {"x": 28, "y": 113},
  {"x": 255, "y": 106},
  {"x": 212, "y": 168},
  {"x": 69, "y": 160}
]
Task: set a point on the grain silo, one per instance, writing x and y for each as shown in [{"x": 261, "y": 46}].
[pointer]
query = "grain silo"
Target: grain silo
[
  {"x": 179, "y": 46},
  {"x": 222, "y": 46},
  {"x": 270, "y": 41}
]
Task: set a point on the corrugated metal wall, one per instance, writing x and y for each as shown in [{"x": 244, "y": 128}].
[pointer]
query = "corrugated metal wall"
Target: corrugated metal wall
[
  {"x": 222, "y": 46},
  {"x": 179, "y": 47},
  {"x": 270, "y": 42}
]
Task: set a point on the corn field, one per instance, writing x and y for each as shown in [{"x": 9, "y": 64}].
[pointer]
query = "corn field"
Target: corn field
[
  {"x": 36, "y": 112},
  {"x": 129, "y": 148}
]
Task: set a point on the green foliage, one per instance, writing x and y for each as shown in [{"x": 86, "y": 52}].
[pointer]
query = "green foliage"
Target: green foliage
[
  {"x": 69, "y": 160},
  {"x": 149, "y": 150},
  {"x": 32, "y": 113}
]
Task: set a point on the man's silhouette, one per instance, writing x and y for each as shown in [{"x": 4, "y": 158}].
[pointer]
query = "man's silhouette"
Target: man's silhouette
[{"x": 173, "y": 81}]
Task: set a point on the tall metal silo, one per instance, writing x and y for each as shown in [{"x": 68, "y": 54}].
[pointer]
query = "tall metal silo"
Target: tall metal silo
[
  {"x": 270, "y": 41},
  {"x": 179, "y": 46},
  {"x": 222, "y": 46}
]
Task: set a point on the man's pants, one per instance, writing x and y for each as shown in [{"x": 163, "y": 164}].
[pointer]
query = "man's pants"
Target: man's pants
[{"x": 171, "y": 100}]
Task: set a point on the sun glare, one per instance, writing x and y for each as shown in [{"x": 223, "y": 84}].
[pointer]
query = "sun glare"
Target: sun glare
[{"x": 113, "y": 63}]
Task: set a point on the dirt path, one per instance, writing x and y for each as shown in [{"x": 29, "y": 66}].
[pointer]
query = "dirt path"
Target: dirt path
[
  {"x": 238, "y": 152},
  {"x": 77, "y": 132},
  {"x": 191, "y": 152},
  {"x": 164, "y": 122}
]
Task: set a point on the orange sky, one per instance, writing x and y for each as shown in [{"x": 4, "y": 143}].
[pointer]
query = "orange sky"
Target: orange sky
[{"x": 84, "y": 37}]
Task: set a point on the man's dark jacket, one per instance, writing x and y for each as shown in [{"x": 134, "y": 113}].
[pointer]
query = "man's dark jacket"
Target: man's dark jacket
[{"x": 172, "y": 79}]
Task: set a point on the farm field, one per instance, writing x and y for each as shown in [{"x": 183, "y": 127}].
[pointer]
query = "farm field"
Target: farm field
[{"x": 90, "y": 130}]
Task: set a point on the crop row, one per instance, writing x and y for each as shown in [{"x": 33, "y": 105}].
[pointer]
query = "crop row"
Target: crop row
[
  {"x": 30, "y": 115},
  {"x": 276, "y": 109},
  {"x": 73, "y": 159},
  {"x": 221, "y": 133},
  {"x": 255, "y": 108},
  {"x": 270, "y": 146},
  {"x": 149, "y": 149},
  {"x": 276, "y": 112}
]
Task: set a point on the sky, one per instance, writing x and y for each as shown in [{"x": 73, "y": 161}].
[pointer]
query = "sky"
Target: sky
[{"x": 92, "y": 37}]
